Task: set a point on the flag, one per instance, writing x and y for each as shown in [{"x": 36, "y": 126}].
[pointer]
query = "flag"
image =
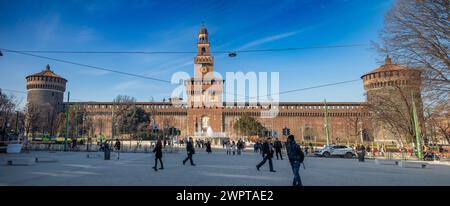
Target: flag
[
  {"x": 326, "y": 122},
  {"x": 416, "y": 127}
]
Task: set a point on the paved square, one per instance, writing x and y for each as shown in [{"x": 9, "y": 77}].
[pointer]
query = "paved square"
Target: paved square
[{"x": 74, "y": 168}]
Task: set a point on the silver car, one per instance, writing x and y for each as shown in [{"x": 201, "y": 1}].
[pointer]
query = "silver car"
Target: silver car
[{"x": 335, "y": 150}]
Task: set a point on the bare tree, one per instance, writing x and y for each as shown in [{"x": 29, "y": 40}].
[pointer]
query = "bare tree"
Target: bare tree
[
  {"x": 7, "y": 109},
  {"x": 355, "y": 125},
  {"x": 417, "y": 34},
  {"x": 439, "y": 123},
  {"x": 59, "y": 124},
  {"x": 123, "y": 104},
  {"x": 101, "y": 125},
  {"x": 392, "y": 107},
  {"x": 32, "y": 119}
]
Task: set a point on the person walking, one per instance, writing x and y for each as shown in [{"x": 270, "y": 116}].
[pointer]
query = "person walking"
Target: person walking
[
  {"x": 208, "y": 147},
  {"x": 311, "y": 147},
  {"x": 277, "y": 145},
  {"x": 362, "y": 153},
  {"x": 158, "y": 155},
  {"x": 190, "y": 151},
  {"x": 228, "y": 147},
  {"x": 233, "y": 148},
  {"x": 296, "y": 158},
  {"x": 267, "y": 155},
  {"x": 240, "y": 147},
  {"x": 117, "y": 145},
  {"x": 261, "y": 148}
]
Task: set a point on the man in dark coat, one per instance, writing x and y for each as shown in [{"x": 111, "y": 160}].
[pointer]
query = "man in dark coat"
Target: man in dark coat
[
  {"x": 362, "y": 153},
  {"x": 158, "y": 155},
  {"x": 296, "y": 157},
  {"x": 277, "y": 145},
  {"x": 117, "y": 145},
  {"x": 267, "y": 155},
  {"x": 208, "y": 147},
  {"x": 190, "y": 151}
]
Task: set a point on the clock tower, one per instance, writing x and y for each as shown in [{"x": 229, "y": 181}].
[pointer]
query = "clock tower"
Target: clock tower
[
  {"x": 204, "y": 90},
  {"x": 203, "y": 61}
]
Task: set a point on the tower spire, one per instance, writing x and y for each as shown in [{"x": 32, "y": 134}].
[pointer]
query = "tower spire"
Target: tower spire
[{"x": 388, "y": 59}]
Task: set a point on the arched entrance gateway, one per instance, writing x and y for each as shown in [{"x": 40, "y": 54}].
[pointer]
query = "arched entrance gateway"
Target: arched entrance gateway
[{"x": 205, "y": 123}]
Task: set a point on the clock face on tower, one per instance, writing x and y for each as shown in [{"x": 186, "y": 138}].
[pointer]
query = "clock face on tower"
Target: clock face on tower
[{"x": 204, "y": 70}]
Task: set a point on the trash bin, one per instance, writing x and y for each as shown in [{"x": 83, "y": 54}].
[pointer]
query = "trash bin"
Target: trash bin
[{"x": 107, "y": 154}]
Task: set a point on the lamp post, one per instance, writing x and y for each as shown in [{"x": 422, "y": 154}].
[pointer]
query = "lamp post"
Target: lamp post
[
  {"x": 82, "y": 128},
  {"x": 17, "y": 122},
  {"x": 67, "y": 122},
  {"x": 327, "y": 133}
]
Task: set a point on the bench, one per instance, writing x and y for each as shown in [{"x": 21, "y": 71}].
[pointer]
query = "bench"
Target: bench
[
  {"x": 93, "y": 156},
  {"x": 412, "y": 164},
  {"x": 45, "y": 159},
  {"x": 20, "y": 161},
  {"x": 386, "y": 162}
]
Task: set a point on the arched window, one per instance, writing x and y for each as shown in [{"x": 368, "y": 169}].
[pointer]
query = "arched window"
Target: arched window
[
  {"x": 308, "y": 134},
  {"x": 366, "y": 135},
  {"x": 203, "y": 50}
]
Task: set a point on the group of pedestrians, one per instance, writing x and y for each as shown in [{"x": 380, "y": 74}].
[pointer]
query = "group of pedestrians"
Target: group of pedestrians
[
  {"x": 294, "y": 152},
  {"x": 201, "y": 143},
  {"x": 233, "y": 148}
]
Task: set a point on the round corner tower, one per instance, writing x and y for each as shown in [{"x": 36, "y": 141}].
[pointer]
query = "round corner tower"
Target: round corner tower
[
  {"x": 393, "y": 86},
  {"x": 389, "y": 77},
  {"x": 46, "y": 90}
]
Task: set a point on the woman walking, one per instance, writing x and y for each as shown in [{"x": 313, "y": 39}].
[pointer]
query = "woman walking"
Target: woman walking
[
  {"x": 208, "y": 147},
  {"x": 158, "y": 155},
  {"x": 233, "y": 147},
  {"x": 228, "y": 147}
]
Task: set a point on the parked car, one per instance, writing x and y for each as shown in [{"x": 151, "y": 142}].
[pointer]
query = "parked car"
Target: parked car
[{"x": 335, "y": 150}]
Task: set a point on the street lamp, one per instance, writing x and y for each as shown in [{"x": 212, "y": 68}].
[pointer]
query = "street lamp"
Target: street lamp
[{"x": 232, "y": 54}]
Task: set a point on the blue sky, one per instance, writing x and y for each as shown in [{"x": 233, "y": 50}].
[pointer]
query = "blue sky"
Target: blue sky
[{"x": 138, "y": 25}]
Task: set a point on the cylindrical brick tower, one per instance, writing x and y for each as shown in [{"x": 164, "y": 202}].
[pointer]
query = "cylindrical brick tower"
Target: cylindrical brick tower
[
  {"x": 46, "y": 90},
  {"x": 390, "y": 76},
  {"x": 389, "y": 89}
]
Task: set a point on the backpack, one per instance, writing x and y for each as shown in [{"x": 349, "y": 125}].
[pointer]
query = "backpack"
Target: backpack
[
  {"x": 302, "y": 155},
  {"x": 295, "y": 153}
]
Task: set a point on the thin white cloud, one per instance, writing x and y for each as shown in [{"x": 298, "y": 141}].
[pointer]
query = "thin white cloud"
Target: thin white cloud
[
  {"x": 47, "y": 28},
  {"x": 85, "y": 35},
  {"x": 138, "y": 85},
  {"x": 92, "y": 72},
  {"x": 268, "y": 39},
  {"x": 96, "y": 6},
  {"x": 170, "y": 67},
  {"x": 278, "y": 36},
  {"x": 124, "y": 86}
]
